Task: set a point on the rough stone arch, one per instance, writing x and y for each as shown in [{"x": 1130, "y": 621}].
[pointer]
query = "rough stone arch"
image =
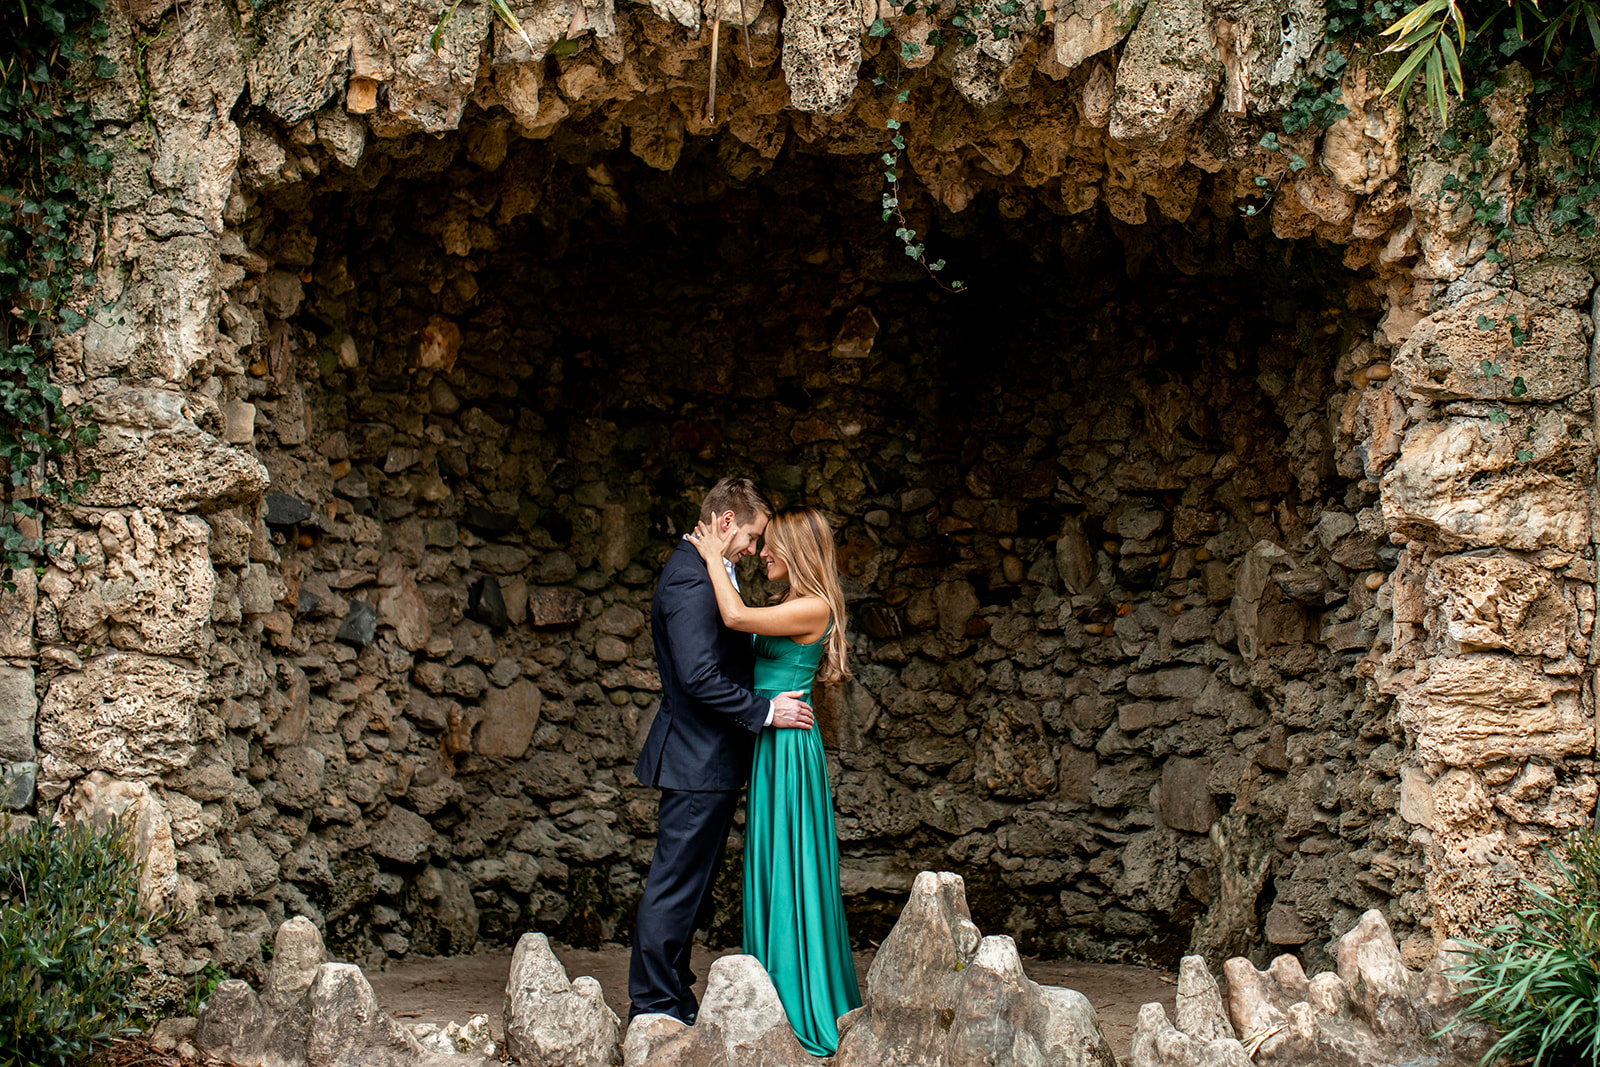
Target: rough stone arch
[{"x": 154, "y": 673}]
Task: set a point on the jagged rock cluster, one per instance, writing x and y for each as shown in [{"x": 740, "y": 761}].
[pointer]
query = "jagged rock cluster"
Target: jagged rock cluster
[
  {"x": 310, "y": 1013},
  {"x": 939, "y": 994},
  {"x": 1193, "y": 596},
  {"x": 1372, "y": 1011}
]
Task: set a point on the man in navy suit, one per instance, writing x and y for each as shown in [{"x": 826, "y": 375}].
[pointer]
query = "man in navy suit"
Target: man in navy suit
[{"x": 698, "y": 750}]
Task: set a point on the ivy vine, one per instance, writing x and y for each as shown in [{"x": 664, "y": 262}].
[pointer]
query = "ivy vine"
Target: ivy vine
[
  {"x": 1458, "y": 49},
  {"x": 52, "y": 177},
  {"x": 964, "y": 22}
]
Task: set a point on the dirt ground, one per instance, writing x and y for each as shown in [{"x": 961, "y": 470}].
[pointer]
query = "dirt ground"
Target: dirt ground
[{"x": 454, "y": 988}]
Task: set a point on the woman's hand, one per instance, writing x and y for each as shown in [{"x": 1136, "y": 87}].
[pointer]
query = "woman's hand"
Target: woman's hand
[{"x": 709, "y": 540}]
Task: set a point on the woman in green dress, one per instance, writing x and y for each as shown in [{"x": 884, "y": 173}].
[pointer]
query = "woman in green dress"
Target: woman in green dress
[{"x": 793, "y": 910}]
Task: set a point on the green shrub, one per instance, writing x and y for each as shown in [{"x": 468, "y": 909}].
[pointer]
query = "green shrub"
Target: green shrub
[
  {"x": 1536, "y": 977},
  {"x": 71, "y": 928}
]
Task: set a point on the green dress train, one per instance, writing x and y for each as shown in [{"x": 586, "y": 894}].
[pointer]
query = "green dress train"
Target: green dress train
[{"x": 793, "y": 910}]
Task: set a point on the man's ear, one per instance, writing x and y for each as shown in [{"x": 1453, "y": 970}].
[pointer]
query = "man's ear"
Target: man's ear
[{"x": 727, "y": 521}]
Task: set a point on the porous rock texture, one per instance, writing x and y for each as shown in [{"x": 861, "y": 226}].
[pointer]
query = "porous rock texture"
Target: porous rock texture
[
  {"x": 1252, "y": 557},
  {"x": 310, "y": 1013},
  {"x": 551, "y": 1022},
  {"x": 939, "y": 995},
  {"x": 1371, "y": 1011}
]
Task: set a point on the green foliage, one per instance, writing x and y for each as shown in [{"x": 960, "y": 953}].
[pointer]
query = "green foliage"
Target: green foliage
[
  {"x": 965, "y": 20},
  {"x": 1536, "y": 977},
  {"x": 70, "y": 933},
  {"x": 1433, "y": 38},
  {"x": 891, "y": 198},
  {"x": 203, "y": 984},
  {"x": 501, "y": 10},
  {"x": 50, "y": 180},
  {"x": 1315, "y": 106}
]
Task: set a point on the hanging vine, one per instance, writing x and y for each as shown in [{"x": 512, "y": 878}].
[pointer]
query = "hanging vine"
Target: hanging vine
[{"x": 51, "y": 180}]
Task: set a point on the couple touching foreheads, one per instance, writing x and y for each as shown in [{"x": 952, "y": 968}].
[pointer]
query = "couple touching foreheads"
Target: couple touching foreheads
[{"x": 735, "y": 708}]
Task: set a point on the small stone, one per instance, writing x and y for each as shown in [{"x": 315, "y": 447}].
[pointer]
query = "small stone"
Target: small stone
[
  {"x": 1284, "y": 926},
  {"x": 1186, "y": 801},
  {"x": 554, "y": 607},
  {"x": 552, "y": 568},
  {"x": 285, "y": 510},
  {"x": 19, "y": 708},
  {"x": 486, "y": 604},
  {"x": 360, "y": 627},
  {"x": 402, "y": 836},
  {"x": 646, "y": 1034},
  {"x": 168, "y": 1034},
  {"x": 486, "y": 522},
  {"x": 17, "y": 784},
  {"x": 510, "y": 717}
]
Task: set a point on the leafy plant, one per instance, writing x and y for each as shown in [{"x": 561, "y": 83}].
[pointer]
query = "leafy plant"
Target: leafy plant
[
  {"x": 502, "y": 11},
  {"x": 1434, "y": 35},
  {"x": 203, "y": 984},
  {"x": 891, "y": 198},
  {"x": 50, "y": 180},
  {"x": 71, "y": 928},
  {"x": 1536, "y": 977}
]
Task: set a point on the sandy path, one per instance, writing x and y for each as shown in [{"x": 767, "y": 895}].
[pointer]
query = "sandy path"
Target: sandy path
[{"x": 455, "y": 988}]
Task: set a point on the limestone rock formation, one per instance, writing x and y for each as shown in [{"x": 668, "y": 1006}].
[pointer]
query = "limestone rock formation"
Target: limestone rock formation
[
  {"x": 311, "y": 1013},
  {"x": 1214, "y": 572},
  {"x": 103, "y": 801},
  {"x": 1168, "y": 76},
  {"x": 1372, "y": 1011},
  {"x": 124, "y": 713},
  {"x": 150, "y": 453},
  {"x": 821, "y": 53},
  {"x": 741, "y": 1023},
  {"x": 553, "y": 1022},
  {"x": 939, "y": 993}
]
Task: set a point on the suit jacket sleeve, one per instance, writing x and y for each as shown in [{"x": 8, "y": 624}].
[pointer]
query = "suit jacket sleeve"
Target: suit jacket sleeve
[{"x": 695, "y": 626}]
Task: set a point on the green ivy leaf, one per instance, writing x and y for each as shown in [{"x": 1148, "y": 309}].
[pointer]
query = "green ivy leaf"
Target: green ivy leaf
[
  {"x": 1518, "y": 386},
  {"x": 879, "y": 28}
]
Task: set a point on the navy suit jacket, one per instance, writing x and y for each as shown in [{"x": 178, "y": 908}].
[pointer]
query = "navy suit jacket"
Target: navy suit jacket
[{"x": 705, "y": 730}]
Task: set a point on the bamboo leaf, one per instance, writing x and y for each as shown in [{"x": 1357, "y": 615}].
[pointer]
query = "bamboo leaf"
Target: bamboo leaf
[
  {"x": 1407, "y": 69},
  {"x": 1452, "y": 63},
  {"x": 504, "y": 13},
  {"x": 1436, "y": 92},
  {"x": 1415, "y": 17}
]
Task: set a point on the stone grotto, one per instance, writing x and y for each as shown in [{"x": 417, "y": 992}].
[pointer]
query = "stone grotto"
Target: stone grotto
[{"x": 1215, "y": 577}]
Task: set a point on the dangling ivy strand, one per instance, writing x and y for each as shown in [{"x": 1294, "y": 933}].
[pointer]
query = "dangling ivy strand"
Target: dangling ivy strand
[
  {"x": 51, "y": 181},
  {"x": 965, "y": 20}
]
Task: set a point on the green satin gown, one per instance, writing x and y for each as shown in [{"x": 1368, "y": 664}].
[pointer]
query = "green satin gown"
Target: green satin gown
[{"x": 793, "y": 909}]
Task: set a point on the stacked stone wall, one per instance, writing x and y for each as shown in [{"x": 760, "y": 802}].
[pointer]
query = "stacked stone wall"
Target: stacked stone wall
[{"x": 1221, "y": 641}]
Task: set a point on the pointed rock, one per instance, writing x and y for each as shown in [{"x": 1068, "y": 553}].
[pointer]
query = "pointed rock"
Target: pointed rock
[
  {"x": 551, "y": 1022},
  {"x": 742, "y": 1018},
  {"x": 1200, "y": 1011}
]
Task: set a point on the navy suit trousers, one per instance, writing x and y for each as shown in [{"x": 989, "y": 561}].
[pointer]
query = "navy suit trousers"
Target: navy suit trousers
[{"x": 692, "y": 830}]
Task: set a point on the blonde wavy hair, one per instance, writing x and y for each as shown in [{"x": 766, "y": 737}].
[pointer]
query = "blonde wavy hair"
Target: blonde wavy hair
[{"x": 802, "y": 538}]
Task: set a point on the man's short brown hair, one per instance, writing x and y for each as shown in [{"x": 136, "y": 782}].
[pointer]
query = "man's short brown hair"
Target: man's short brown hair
[{"x": 738, "y": 495}]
